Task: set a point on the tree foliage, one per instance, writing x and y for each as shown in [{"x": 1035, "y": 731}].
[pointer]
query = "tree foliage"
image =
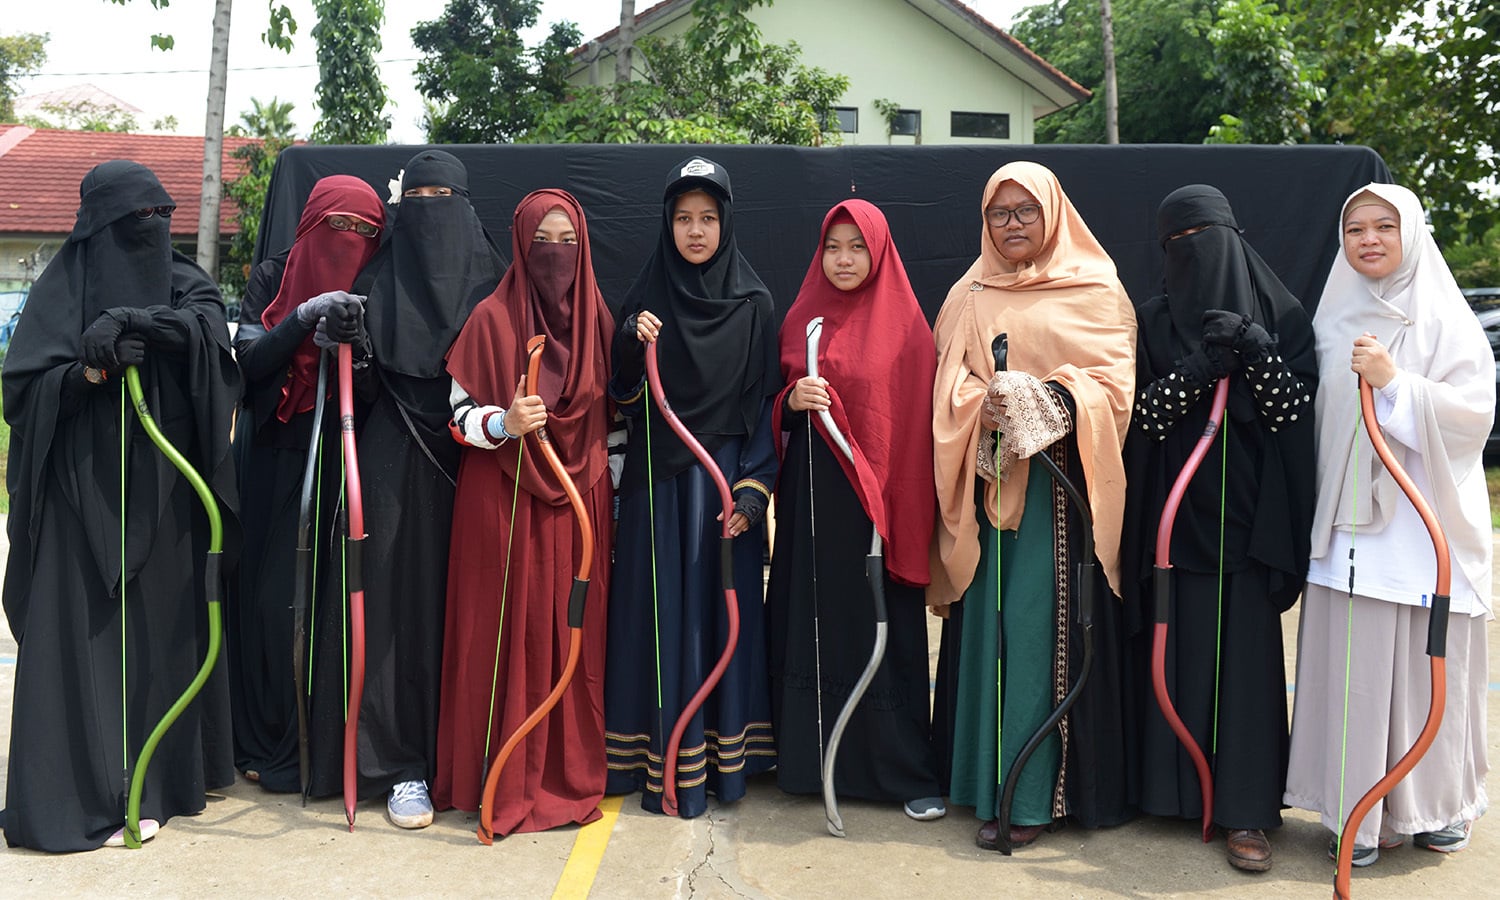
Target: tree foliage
[
  {"x": 20, "y": 55},
  {"x": 717, "y": 83},
  {"x": 481, "y": 81},
  {"x": 248, "y": 192},
  {"x": 268, "y": 119},
  {"x": 351, "y": 99},
  {"x": 1268, "y": 92},
  {"x": 1164, "y": 62}
]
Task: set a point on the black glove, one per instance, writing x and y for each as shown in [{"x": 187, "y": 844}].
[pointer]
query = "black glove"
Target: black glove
[
  {"x": 1208, "y": 364},
  {"x": 100, "y": 338},
  {"x": 1255, "y": 344},
  {"x": 751, "y": 504},
  {"x": 1223, "y": 327},
  {"x": 130, "y": 349},
  {"x": 345, "y": 321}
]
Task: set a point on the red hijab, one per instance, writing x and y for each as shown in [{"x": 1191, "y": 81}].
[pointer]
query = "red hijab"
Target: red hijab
[
  {"x": 321, "y": 260},
  {"x": 878, "y": 357},
  {"x": 548, "y": 289}
]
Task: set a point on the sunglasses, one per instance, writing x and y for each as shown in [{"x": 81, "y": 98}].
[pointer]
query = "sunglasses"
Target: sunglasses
[
  {"x": 164, "y": 211},
  {"x": 339, "y": 222}
]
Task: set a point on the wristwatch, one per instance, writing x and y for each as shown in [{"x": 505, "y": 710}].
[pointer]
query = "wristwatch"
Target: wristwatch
[{"x": 93, "y": 375}]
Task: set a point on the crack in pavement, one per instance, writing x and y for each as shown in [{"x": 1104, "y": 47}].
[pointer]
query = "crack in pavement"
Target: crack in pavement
[{"x": 716, "y": 871}]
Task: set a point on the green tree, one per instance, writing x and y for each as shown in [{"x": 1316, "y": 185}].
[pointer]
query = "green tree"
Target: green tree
[
  {"x": 271, "y": 119},
  {"x": 481, "y": 81},
  {"x": 717, "y": 83},
  {"x": 1268, "y": 90},
  {"x": 1168, "y": 89},
  {"x": 351, "y": 98},
  {"x": 1423, "y": 91},
  {"x": 248, "y": 192},
  {"x": 20, "y": 55}
]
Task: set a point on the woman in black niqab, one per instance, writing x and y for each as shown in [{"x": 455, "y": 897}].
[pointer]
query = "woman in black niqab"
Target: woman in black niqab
[
  {"x": 714, "y": 326},
  {"x": 116, "y": 293},
  {"x": 1242, "y": 531},
  {"x": 435, "y": 267}
]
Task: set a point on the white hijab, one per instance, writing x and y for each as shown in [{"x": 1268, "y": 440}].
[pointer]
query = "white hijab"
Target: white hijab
[{"x": 1421, "y": 317}]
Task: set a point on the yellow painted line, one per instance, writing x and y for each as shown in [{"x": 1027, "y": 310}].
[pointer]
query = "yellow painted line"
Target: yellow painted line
[{"x": 588, "y": 851}]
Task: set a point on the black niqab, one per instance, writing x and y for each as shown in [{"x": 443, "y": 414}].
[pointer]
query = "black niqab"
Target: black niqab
[
  {"x": 437, "y": 263},
  {"x": 717, "y": 349},
  {"x": 1267, "y": 491}
]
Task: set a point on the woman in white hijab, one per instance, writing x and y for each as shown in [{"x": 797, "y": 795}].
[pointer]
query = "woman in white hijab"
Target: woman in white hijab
[{"x": 1392, "y": 313}]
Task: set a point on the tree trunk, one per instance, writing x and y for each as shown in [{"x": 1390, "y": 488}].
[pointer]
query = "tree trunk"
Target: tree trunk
[
  {"x": 1111, "y": 91},
  {"x": 213, "y": 143},
  {"x": 626, "y": 41}
]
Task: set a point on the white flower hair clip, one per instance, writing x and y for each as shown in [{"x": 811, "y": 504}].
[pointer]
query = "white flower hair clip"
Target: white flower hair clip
[{"x": 395, "y": 186}]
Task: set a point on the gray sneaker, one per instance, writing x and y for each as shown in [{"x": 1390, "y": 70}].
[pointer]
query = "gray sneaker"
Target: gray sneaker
[
  {"x": 1450, "y": 840},
  {"x": 409, "y": 806},
  {"x": 925, "y": 809}
]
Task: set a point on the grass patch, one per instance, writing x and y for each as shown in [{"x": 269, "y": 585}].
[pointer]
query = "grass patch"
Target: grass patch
[
  {"x": 1492, "y": 481},
  {"x": 4, "y": 461}
]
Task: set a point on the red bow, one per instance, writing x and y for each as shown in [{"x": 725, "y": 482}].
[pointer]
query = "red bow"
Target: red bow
[{"x": 354, "y": 568}]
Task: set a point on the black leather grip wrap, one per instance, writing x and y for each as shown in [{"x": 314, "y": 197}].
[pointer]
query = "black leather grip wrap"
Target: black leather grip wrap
[
  {"x": 875, "y": 576},
  {"x": 1163, "y": 581},
  {"x": 1437, "y": 627},
  {"x": 213, "y": 587},
  {"x": 726, "y": 563},
  {"x": 576, "y": 597},
  {"x": 354, "y": 564}
]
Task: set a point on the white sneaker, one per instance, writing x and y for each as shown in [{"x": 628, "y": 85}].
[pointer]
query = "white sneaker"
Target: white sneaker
[
  {"x": 149, "y": 828},
  {"x": 409, "y": 806}
]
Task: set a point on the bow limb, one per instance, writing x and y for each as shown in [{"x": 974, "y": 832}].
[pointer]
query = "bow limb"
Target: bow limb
[
  {"x": 212, "y": 589},
  {"x": 576, "y": 599},
  {"x": 875, "y": 575},
  {"x": 355, "y": 574},
  {"x": 302, "y": 583},
  {"x": 726, "y": 573},
  {"x": 1086, "y": 579},
  {"x": 1437, "y": 646},
  {"x": 1163, "y": 592}
]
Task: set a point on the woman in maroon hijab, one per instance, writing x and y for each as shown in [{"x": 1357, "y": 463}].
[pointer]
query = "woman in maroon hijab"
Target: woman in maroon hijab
[
  {"x": 876, "y": 361},
  {"x": 290, "y": 296},
  {"x": 516, "y": 542}
]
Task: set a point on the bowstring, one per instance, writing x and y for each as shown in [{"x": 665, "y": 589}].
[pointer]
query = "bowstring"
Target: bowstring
[
  {"x": 1348, "y": 638},
  {"x": 1213, "y": 739},
  {"x": 124, "y": 667},
  {"x": 510, "y": 540},
  {"x": 661, "y": 725},
  {"x": 812, "y": 514}
]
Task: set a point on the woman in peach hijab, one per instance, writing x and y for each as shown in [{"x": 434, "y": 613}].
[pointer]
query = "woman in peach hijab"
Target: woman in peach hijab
[{"x": 1044, "y": 282}]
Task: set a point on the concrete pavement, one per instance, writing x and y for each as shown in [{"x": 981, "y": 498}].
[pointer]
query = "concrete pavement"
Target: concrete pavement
[{"x": 250, "y": 843}]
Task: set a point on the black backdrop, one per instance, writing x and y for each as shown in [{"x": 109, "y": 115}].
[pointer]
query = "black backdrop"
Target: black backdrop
[{"x": 1286, "y": 198}]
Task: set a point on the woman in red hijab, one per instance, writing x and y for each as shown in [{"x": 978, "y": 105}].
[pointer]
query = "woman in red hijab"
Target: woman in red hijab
[
  {"x": 289, "y": 297},
  {"x": 876, "y": 361},
  {"x": 516, "y": 544}
]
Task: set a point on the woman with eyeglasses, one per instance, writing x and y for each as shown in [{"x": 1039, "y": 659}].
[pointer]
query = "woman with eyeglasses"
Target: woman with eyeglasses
[
  {"x": 104, "y": 588},
  {"x": 435, "y": 265},
  {"x": 296, "y": 303},
  {"x": 507, "y": 634},
  {"x": 1239, "y": 540},
  {"x": 1036, "y": 355}
]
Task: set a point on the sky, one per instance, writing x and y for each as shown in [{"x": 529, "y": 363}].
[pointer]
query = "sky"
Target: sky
[{"x": 97, "y": 42}]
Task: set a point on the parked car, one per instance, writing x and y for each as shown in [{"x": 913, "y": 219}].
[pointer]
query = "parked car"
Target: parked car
[{"x": 1485, "y": 302}]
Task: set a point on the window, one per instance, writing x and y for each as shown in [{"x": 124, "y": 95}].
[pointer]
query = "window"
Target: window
[
  {"x": 907, "y": 121},
  {"x": 846, "y": 118},
  {"x": 981, "y": 125}
]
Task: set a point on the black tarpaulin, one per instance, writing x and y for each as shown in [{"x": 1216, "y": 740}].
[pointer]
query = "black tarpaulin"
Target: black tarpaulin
[{"x": 1287, "y": 199}]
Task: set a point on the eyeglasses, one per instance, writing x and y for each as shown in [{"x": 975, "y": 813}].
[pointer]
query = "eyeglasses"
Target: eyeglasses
[
  {"x": 999, "y": 216},
  {"x": 164, "y": 211},
  {"x": 360, "y": 227}
]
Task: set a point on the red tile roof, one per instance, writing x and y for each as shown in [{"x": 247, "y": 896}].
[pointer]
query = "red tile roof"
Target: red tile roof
[{"x": 40, "y": 170}]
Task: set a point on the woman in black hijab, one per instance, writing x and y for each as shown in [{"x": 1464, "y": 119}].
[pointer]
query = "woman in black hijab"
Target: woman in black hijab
[
  {"x": 115, "y": 295},
  {"x": 712, "y": 319},
  {"x": 437, "y": 264},
  {"x": 1240, "y": 542}
]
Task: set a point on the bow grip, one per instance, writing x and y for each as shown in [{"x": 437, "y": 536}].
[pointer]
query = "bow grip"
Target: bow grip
[{"x": 576, "y": 597}]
